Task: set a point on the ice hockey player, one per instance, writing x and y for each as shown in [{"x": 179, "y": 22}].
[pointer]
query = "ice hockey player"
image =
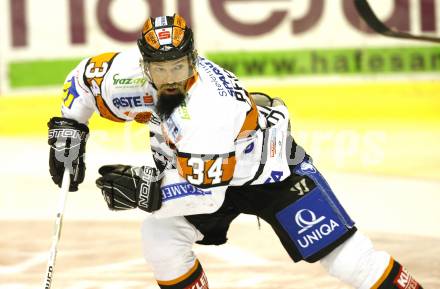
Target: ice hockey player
[{"x": 219, "y": 151}]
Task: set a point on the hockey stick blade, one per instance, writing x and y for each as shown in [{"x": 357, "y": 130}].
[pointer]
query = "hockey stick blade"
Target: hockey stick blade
[
  {"x": 48, "y": 277},
  {"x": 365, "y": 11}
]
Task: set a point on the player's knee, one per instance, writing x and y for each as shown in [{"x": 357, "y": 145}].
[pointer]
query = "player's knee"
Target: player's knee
[
  {"x": 158, "y": 240},
  {"x": 356, "y": 262},
  {"x": 167, "y": 245},
  {"x": 167, "y": 239}
]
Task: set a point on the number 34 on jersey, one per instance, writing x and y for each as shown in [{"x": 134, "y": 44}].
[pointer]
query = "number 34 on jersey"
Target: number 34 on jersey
[{"x": 206, "y": 170}]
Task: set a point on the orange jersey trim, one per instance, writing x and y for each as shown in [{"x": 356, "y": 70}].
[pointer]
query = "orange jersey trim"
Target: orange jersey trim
[
  {"x": 191, "y": 81},
  {"x": 104, "y": 111},
  {"x": 384, "y": 275},
  {"x": 181, "y": 278},
  {"x": 140, "y": 117},
  {"x": 250, "y": 123}
]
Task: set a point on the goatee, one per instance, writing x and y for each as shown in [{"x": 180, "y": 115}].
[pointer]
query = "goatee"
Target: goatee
[{"x": 167, "y": 103}]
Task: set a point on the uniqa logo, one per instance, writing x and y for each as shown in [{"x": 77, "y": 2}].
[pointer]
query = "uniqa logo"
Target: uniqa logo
[{"x": 306, "y": 219}]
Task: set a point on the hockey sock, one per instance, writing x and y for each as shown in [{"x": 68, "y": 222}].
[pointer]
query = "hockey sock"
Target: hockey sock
[
  {"x": 396, "y": 277},
  {"x": 357, "y": 263},
  {"x": 195, "y": 278}
]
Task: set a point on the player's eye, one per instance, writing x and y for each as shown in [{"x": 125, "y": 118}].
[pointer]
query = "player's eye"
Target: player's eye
[
  {"x": 178, "y": 67},
  {"x": 158, "y": 69}
]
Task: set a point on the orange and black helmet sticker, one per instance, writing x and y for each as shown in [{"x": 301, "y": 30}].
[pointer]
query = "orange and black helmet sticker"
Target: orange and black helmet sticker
[
  {"x": 179, "y": 21},
  {"x": 178, "y": 34},
  {"x": 147, "y": 26},
  {"x": 152, "y": 40},
  {"x": 178, "y": 30},
  {"x": 149, "y": 34}
]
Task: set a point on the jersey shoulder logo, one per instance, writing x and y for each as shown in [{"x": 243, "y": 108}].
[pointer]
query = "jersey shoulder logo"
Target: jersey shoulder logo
[
  {"x": 70, "y": 92},
  {"x": 95, "y": 70}
]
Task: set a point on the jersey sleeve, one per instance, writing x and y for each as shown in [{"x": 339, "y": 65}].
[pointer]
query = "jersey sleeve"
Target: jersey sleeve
[
  {"x": 96, "y": 71},
  {"x": 77, "y": 99},
  {"x": 93, "y": 86}
]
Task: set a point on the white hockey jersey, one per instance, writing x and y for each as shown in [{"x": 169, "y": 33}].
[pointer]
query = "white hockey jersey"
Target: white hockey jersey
[{"x": 217, "y": 138}]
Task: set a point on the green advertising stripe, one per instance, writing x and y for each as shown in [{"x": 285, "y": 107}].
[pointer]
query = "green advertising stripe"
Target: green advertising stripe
[
  {"x": 331, "y": 61},
  {"x": 268, "y": 63},
  {"x": 40, "y": 72}
]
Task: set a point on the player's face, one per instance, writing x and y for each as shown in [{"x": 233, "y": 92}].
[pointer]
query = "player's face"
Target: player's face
[{"x": 171, "y": 74}]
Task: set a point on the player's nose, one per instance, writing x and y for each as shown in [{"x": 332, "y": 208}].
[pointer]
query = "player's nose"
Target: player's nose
[{"x": 168, "y": 77}]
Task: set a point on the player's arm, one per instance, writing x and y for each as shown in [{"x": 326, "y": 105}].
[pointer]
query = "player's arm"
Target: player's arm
[
  {"x": 126, "y": 187},
  {"x": 196, "y": 186},
  {"x": 68, "y": 133},
  {"x": 84, "y": 92},
  {"x": 77, "y": 99},
  {"x": 205, "y": 166}
]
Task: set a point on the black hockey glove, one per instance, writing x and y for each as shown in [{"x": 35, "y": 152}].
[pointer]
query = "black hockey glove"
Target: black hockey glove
[
  {"x": 127, "y": 187},
  {"x": 67, "y": 140}
]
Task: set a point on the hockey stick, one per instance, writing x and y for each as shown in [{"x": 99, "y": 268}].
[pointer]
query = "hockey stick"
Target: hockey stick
[
  {"x": 365, "y": 11},
  {"x": 48, "y": 278}
]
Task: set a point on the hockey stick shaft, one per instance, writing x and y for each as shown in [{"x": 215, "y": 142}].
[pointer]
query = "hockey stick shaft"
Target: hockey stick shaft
[
  {"x": 48, "y": 277},
  {"x": 365, "y": 11}
]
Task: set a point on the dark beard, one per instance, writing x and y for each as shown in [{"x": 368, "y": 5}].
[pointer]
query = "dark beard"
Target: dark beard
[{"x": 167, "y": 103}]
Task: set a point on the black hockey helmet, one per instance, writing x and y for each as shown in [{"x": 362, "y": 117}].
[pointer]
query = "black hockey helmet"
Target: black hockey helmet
[{"x": 166, "y": 38}]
